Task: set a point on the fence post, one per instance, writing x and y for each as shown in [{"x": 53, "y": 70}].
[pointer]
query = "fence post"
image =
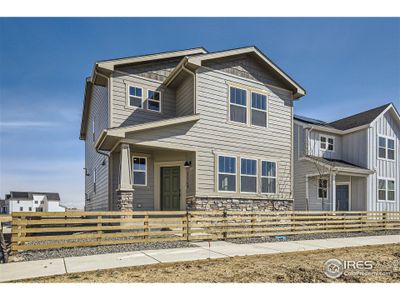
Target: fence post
[
  {"x": 224, "y": 222},
  {"x": 385, "y": 221},
  {"x": 99, "y": 231},
  {"x": 253, "y": 221},
  {"x": 146, "y": 226},
  {"x": 188, "y": 226}
]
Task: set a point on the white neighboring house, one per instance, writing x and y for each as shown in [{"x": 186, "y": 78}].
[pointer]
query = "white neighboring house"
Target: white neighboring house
[
  {"x": 34, "y": 201},
  {"x": 350, "y": 164}
]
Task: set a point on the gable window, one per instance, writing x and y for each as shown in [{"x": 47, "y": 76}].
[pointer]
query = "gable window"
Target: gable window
[
  {"x": 248, "y": 175},
  {"x": 93, "y": 130},
  {"x": 268, "y": 177},
  {"x": 258, "y": 109},
  {"x": 322, "y": 188},
  {"x": 386, "y": 190},
  {"x": 326, "y": 143},
  {"x": 386, "y": 148},
  {"x": 94, "y": 180},
  {"x": 153, "y": 100},
  {"x": 238, "y": 105},
  {"x": 226, "y": 174},
  {"x": 140, "y": 171},
  {"x": 135, "y": 96}
]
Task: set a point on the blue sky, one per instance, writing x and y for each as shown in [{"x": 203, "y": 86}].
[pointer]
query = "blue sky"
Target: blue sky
[{"x": 346, "y": 66}]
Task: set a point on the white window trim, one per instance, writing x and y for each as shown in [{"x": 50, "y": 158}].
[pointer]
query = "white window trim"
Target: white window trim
[
  {"x": 145, "y": 171},
  {"x": 225, "y": 173},
  {"x": 128, "y": 98},
  {"x": 249, "y": 90},
  {"x": 327, "y": 189},
  {"x": 386, "y": 147},
  {"x": 386, "y": 179},
  {"x": 239, "y": 105},
  {"x": 266, "y": 109},
  {"x": 266, "y": 176},
  {"x": 246, "y": 175},
  {"x": 327, "y": 137},
  {"x": 148, "y": 99}
]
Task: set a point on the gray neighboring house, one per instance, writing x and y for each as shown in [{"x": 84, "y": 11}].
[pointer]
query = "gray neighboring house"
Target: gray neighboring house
[
  {"x": 352, "y": 164},
  {"x": 189, "y": 129}
]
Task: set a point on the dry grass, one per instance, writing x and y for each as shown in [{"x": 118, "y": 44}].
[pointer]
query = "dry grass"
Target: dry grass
[{"x": 288, "y": 267}]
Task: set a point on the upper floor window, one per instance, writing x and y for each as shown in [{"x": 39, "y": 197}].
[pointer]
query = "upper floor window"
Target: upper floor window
[
  {"x": 386, "y": 148},
  {"x": 226, "y": 174},
  {"x": 248, "y": 175},
  {"x": 153, "y": 100},
  {"x": 94, "y": 180},
  {"x": 93, "y": 129},
  {"x": 140, "y": 171},
  {"x": 135, "y": 96},
  {"x": 386, "y": 190},
  {"x": 268, "y": 177},
  {"x": 258, "y": 109},
  {"x": 322, "y": 188},
  {"x": 238, "y": 105},
  {"x": 327, "y": 143}
]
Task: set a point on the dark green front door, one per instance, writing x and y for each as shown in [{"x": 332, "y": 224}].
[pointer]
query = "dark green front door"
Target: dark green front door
[{"x": 170, "y": 188}]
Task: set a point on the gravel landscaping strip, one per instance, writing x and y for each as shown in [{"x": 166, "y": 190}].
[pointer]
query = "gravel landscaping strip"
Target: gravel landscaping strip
[
  {"x": 85, "y": 251},
  {"x": 314, "y": 236}
]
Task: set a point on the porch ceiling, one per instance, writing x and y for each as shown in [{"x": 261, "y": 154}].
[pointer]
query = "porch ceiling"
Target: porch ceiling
[{"x": 340, "y": 166}]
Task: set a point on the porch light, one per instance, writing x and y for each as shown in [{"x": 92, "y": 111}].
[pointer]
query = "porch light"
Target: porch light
[{"x": 188, "y": 164}]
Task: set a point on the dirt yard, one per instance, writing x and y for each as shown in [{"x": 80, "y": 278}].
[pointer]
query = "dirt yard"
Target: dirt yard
[{"x": 288, "y": 267}]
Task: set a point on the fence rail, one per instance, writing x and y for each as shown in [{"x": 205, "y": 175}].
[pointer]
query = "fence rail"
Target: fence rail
[{"x": 43, "y": 230}]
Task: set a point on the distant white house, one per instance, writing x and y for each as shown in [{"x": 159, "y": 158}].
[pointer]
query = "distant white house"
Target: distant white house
[{"x": 34, "y": 201}]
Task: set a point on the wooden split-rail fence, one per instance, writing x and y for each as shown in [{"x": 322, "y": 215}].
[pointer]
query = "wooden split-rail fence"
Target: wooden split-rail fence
[{"x": 45, "y": 230}]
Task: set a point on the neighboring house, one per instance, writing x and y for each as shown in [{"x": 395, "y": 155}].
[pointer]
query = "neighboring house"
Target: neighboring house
[
  {"x": 189, "y": 130},
  {"x": 349, "y": 164},
  {"x": 3, "y": 206},
  {"x": 34, "y": 201}
]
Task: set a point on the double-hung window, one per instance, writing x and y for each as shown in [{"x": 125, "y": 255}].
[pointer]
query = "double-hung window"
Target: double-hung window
[
  {"x": 326, "y": 143},
  {"x": 248, "y": 175},
  {"x": 386, "y": 148},
  {"x": 322, "y": 188},
  {"x": 386, "y": 189},
  {"x": 140, "y": 171},
  {"x": 154, "y": 100},
  {"x": 258, "y": 109},
  {"x": 226, "y": 174},
  {"x": 94, "y": 180},
  {"x": 268, "y": 177},
  {"x": 135, "y": 96},
  {"x": 238, "y": 105}
]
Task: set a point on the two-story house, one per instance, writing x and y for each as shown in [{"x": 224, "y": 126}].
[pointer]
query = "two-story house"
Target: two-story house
[
  {"x": 351, "y": 164},
  {"x": 189, "y": 129}
]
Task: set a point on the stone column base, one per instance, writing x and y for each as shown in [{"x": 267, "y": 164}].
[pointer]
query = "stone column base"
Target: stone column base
[{"x": 125, "y": 200}]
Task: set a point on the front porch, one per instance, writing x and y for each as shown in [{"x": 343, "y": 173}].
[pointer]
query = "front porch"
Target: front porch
[
  {"x": 337, "y": 186},
  {"x": 151, "y": 178}
]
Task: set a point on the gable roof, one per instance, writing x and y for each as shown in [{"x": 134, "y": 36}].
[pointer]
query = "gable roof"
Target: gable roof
[
  {"x": 298, "y": 91},
  {"x": 350, "y": 123},
  {"x": 362, "y": 118},
  {"x": 109, "y": 65},
  {"x": 29, "y": 195}
]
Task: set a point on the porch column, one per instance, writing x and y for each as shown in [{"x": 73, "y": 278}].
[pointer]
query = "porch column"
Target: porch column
[
  {"x": 125, "y": 189},
  {"x": 333, "y": 189}
]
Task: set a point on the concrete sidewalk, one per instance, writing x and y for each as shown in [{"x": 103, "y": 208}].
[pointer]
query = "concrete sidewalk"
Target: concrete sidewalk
[{"x": 206, "y": 250}]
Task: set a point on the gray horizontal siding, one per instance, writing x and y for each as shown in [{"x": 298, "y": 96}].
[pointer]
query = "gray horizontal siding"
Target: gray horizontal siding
[
  {"x": 99, "y": 111},
  {"x": 212, "y": 133},
  {"x": 185, "y": 97}
]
